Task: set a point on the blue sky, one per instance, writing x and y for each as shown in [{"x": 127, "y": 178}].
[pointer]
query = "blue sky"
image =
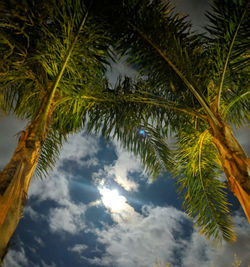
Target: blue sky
[
  {"x": 66, "y": 223},
  {"x": 69, "y": 221}
]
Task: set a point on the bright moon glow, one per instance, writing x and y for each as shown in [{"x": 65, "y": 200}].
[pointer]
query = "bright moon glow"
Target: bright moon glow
[{"x": 111, "y": 199}]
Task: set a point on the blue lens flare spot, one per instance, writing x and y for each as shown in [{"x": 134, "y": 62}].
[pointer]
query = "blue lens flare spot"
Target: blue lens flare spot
[{"x": 142, "y": 132}]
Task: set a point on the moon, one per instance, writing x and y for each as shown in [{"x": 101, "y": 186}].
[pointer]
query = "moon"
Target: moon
[{"x": 112, "y": 200}]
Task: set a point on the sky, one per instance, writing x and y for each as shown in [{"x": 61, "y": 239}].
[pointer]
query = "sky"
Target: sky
[{"x": 99, "y": 208}]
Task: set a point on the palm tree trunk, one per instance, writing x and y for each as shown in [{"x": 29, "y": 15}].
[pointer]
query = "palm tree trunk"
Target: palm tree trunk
[
  {"x": 16, "y": 176},
  {"x": 14, "y": 183},
  {"x": 235, "y": 163}
]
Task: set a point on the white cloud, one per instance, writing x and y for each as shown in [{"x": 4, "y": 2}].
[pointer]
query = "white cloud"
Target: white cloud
[
  {"x": 68, "y": 216},
  {"x": 225, "y": 257},
  {"x": 120, "y": 171},
  {"x": 54, "y": 187},
  {"x": 120, "y": 210},
  {"x": 80, "y": 146},
  {"x": 124, "y": 165},
  {"x": 78, "y": 248},
  {"x": 120, "y": 67},
  {"x": 139, "y": 242},
  {"x": 34, "y": 215},
  {"x": 199, "y": 252},
  {"x": 158, "y": 233},
  {"x": 16, "y": 258}
]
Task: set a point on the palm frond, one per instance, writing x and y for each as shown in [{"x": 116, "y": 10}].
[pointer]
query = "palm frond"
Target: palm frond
[
  {"x": 49, "y": 154},
  {"x": 134, "y": 135},
  {"x": 117, "y": 115},
  {"x": 238, "y": 111},
  {"x": 197, "y": 172},
  {"x": 229, "y": 38}
]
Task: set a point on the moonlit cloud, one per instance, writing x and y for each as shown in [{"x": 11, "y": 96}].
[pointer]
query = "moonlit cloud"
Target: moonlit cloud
[
  {"x": 78, "y": 248},
  {"x": 158, "y": 234},
  {"x": 80, "y": 146},
  {"x": 139, "y": 242},
  {"x": 112, "y": 200},
  {"x": 68, "y": 216},
  {"x": 120, "y": 211},
  {"x": 121, "y": 171}
]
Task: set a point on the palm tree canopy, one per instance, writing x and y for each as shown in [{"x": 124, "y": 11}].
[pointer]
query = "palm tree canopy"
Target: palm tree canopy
[
  {"x": 35, "y": 48},
  {"x": 187, "y": 78}
]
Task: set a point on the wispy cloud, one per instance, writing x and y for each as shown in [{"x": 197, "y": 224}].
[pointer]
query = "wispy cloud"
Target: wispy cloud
[{"x": 78, "y": 248}]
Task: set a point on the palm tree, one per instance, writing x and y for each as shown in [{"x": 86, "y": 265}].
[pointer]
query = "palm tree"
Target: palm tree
[
  {"x": 52, "y": 66},
  {"x": 195, "y": 88}
]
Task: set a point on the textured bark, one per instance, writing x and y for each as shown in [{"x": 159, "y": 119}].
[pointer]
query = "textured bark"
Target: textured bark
[
  {"x": 235, "y": 163},
  {"x": 16, "y": 177},
  {"x": 14, "y": 184}
]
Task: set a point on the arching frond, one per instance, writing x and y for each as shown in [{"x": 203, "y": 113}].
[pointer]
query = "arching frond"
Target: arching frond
[
  {"x": 197, "y": 172},
  {"x": 51, "y": 27},
  {"x": 162, "y": 46},
  {"x": 229, "y": 38},
  {"x": 238, "y": 111}
]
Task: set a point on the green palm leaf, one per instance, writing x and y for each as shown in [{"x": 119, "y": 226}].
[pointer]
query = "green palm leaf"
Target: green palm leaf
[
  {"x": 229, "y": 30},
  {"x": 197, "y": 172}
]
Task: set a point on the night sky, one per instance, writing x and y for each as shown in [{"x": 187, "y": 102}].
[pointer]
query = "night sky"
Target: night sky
[{"x": 70, "y": 221}]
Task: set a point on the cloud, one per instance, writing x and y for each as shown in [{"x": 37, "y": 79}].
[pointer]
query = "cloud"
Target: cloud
[
  {"x": 44, "y": 264},
  {"x": 68, "y": 216},
  {"x": 125, "y": 165},
  {"x": 120, "y": 67},
  {"x": 55, "y": 187},
  {"x": 158, "y": 234},
  {"x": 241, "y": 248},
  {"x": 120, "y": 171},
  {"x": 39, "y": 241},
  {"x": 140, "y": 241},
  {"x": 34, "y": 215},
  {"x": 199, "y": 252},
  {"x": 120, "y": 211},
  {"x": 80, "y": 146},
  {"x": 78, "y": 248},
  {"x": 16, "y": 258}
]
